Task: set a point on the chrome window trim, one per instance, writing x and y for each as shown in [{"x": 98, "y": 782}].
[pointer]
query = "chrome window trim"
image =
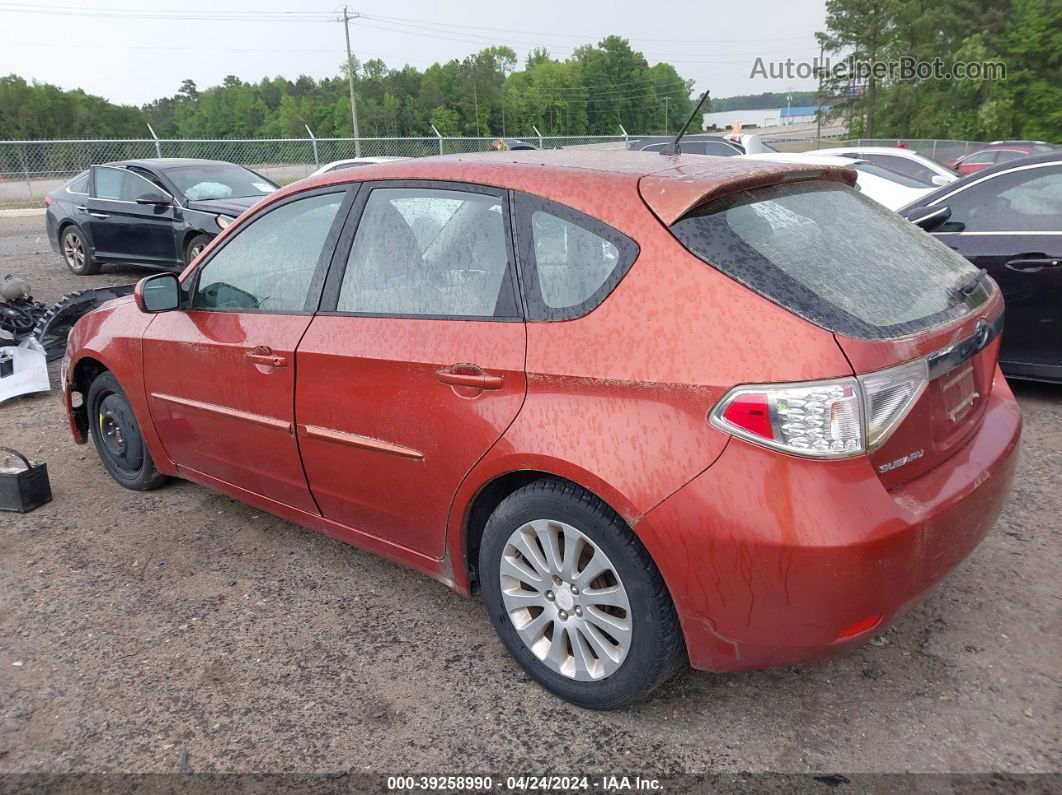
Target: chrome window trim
[
  {"x": 1007, "y": 232},
  {"x": 138, "y": 176}
]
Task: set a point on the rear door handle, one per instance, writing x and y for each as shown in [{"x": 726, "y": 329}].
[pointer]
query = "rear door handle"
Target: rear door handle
[
  {"x": 99, "y": 215},
  {"x": 263, "y": 355},
  {"x": 1033, "y": 264},
  {"x": 81, "y": 208},
  {"x": 470, "y": 376}
]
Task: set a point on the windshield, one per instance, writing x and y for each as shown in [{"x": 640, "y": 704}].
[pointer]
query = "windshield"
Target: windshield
[
  {"x": 893, "y": 176},
  {"x": 794, "y": 244},
  {"x": 221, "y": 181}
]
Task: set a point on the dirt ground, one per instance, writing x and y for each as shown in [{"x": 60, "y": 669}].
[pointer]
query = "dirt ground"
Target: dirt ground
[{"x": 135, "y": 628}]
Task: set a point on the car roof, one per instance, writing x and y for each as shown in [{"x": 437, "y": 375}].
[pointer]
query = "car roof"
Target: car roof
[
  {"x": 168, "y": 162},
  {"x": 995, "y": 168},
  {"x": 591, "y": 180},
  {"x": 873, "y": 150}
]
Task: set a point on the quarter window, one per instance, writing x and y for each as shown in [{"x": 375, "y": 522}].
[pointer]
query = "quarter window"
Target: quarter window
[
  {"x": 79, "y": 184},
  {"x": 269, "y": 264},
  {"x": 429, "y": 252},
  {"x": 575, "y": 260}
]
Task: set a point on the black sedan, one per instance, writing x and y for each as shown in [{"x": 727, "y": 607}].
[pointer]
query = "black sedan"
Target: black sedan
[
  {"x": 1007, "y": 219},
  {"x": 151, "y": 212}
]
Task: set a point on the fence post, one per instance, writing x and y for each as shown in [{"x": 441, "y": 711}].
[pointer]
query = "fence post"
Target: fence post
[
  {"x": 626, "y": 138},
  {"x": 438, "y": 135},
  {"x": 158, "y": 147},
  {"x": 539, "y": 134},
  {"x": 316, "y": 160}
]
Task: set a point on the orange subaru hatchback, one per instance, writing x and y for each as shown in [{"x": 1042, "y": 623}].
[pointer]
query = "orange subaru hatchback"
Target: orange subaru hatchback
[{"x": 657, "y": 410}]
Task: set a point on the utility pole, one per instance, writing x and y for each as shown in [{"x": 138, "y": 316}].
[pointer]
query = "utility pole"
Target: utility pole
[
  {"x": 666, "y": 99},
  {"x": 350, "y": 80},
  {"x": 819, "y": 98}
]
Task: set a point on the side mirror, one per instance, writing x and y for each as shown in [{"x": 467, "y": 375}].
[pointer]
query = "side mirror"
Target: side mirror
[
  {"x": 153, "y": 198},
  {"x": 929, "y": 218},
  {"x": 940, "y": 180},
  {"x": 158, "y": 293}
]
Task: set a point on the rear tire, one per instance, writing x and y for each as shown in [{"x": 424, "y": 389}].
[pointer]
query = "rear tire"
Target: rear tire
[
  {"x": 195, "y": 247},
  {"x": 116, "y": 435},
  {"x": 575, "y": 597},
  {"x": 75, "y": 252}
]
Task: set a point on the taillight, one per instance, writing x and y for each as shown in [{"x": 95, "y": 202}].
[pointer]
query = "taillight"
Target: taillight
[
  {"x": 889, "y": 395},
  {"x": 47, "y": 201},
  {"x": 839, "y": 418}
]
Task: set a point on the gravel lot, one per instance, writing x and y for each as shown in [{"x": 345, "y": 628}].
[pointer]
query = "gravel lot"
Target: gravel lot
[{"x": 136, "y": 627}]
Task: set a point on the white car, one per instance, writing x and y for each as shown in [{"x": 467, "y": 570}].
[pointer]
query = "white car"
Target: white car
[
  {"x": 353, "y": 162},
  {"x": 906, "y": 161},
  {"x": 888, "y": 188}
]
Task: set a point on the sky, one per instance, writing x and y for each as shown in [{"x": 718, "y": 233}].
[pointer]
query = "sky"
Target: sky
[{"x": 132, "y": 53}]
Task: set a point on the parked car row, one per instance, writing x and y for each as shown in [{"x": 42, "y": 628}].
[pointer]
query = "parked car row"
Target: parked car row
[{"x": 728, "y": 413}]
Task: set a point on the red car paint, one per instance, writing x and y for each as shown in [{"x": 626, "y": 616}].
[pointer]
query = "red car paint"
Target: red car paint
[
  {"x": 381, "y": 431},
  {"x": 989, "y": 156}
]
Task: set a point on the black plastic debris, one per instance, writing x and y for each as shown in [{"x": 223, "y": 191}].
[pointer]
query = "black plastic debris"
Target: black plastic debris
[{"x": 23, "y": 488}]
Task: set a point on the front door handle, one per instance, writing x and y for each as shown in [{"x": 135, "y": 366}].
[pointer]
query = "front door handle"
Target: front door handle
[
  {"x": 264, "y": 355},
  {"x": 1033, "y": 264},
  {"x": 469, "y": 375}
]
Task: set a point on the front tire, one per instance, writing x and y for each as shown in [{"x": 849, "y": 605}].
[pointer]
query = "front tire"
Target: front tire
[
  {"x": 195, "y": 247},
  {"x": 117, "y": 437},
  {"x": 75, "y": 252},
  {"x": 575, "y": 597}
]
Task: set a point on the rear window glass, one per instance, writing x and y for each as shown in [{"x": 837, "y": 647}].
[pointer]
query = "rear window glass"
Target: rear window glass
[{"x": 834, "y": 257}]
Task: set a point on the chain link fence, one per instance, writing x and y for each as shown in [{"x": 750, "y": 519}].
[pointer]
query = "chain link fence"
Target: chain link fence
[
  {"x": 942, "y": 151},
  {"x": 31, "y": 169}
]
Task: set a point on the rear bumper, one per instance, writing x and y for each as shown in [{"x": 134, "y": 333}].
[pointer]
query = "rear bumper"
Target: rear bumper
[{"x": 771, "y": 558}]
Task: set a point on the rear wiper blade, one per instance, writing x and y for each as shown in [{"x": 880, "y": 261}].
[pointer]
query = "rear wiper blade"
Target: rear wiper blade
[{"x": 971, "y": 284}]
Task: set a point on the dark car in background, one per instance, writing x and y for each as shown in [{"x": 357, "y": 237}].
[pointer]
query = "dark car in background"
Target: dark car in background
[
  {"x": 1007, "y": 219},
  {"x": 159, "y": 212}
]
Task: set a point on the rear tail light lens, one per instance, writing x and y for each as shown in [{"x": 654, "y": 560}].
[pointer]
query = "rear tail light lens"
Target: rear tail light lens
[
  {"x": 47, "y": 201},
  {"x": 838, "y": 418},
  {"x": 889, "y": 395}
]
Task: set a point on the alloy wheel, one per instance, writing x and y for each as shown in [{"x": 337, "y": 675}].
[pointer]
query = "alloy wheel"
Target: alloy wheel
[
  {"x": 74, "y": 251},
  {"x": 565, "y": 599}
]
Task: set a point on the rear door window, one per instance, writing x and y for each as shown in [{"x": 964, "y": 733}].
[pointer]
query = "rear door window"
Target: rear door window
[
  {"x": 797, "y": 244},
  {"x": 570, "y": 261},
  {"x": 425, "y": 252}
]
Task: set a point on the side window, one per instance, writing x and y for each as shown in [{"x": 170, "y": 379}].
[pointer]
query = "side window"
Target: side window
[
  {"x": 1028, "y": 200},
  {"x": 269, "y": 264},
  {"x": 429, "y": 252},
  {"x": 981, "y": 157},
  {"x": 573, "y": 261},
  {"x": 1008, "y": 154},
  {"x": 79, "y": 184},
  {"x": 904, "y": 165},
  {"x": 119, "y": 184},
  {"x": 154, "y": 180},
  {"x": 720, "y": 149}
]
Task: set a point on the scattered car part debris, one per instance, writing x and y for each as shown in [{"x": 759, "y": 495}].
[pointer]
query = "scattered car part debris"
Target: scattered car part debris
[
  {"x": 21, "y": 316},
  {"x": 28, "y": 369},
  {"x": 53, "y": 326},
  {"x": 23, "y": 485}
]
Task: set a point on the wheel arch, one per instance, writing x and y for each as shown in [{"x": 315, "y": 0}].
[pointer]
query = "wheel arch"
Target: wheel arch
[{"x": 484, "y": 499}]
